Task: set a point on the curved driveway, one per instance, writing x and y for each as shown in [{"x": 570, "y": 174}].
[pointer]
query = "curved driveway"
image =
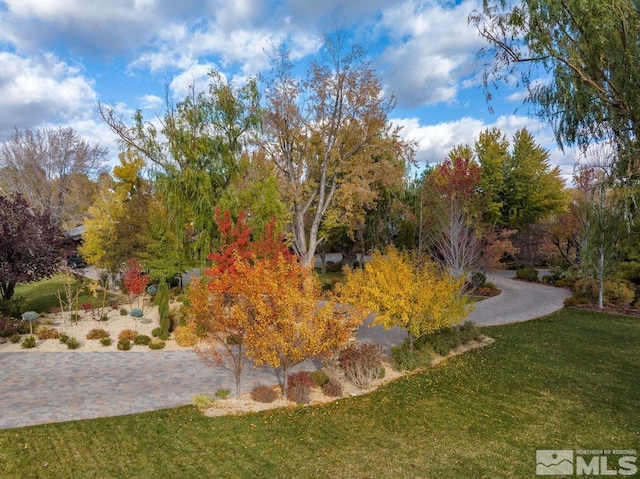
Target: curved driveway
[
  {"x": 38, "y": 388},
  {"x": 519, "y": 301}
]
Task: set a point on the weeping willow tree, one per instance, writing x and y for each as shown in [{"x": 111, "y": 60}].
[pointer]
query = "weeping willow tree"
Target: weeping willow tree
[{"x": 194, "y": 155}]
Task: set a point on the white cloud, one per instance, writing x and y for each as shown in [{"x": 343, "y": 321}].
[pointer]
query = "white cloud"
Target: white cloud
[
  {"x": 432, "y": 51},
  {"x": 41, "y": 89},
  {"x": 150, "y": 102},
  {"x": 195, "y": 78}
]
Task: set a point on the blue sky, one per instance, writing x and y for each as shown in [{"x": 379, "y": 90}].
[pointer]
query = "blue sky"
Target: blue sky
[{"x": 59, "y": 57}]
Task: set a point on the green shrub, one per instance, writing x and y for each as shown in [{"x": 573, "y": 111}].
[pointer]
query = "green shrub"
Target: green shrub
[
  {"x": 320, "y": 378},
  {"x": 469, "y": 332},
  {"x": 156, "y": 343},
  {"x": 160, "y": 333},
  {"x": 618, "y": 294},
  {"x": 156, "y": 332},
  {"x": 28, "y": 342},
  {"x": 106, "y": 341},
  {"x": 123, "y": 312},
  {"x": 223, "y": 393},
  {"x": 104, "y": 317},
  {"x": 62, "y": 337},
  {"x": 72, "y": 343},
  {"x": 124, "y": 345},
  {"x": 142, "y": 339},
  {"x": 136, "y": 313},
  {"x": 44, "y": 332},
  {"x": 405, "y": 359},
  {"x": 264, "y": 394},
  {"x": 15, "y": 338},
  {"x": 97, "y": 333},
  {"x": 75, "y": 317},
  {"x": 440, "y": 345},
  {"x": 13, "y": 307},
  {"x": 530, "y": 274},
  {"x": 24, "y": 327},
  {"x": 162, "y": 300},
  {"x": 360, "y": 363},
  {"x": 332, "y": 389},
  {"x": 202, "y": 401}
]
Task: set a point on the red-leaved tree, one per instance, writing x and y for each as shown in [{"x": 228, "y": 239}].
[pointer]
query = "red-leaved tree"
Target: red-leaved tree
[
  {"x": 135, "y": 282},
  {"x": 30, "y": 246}
]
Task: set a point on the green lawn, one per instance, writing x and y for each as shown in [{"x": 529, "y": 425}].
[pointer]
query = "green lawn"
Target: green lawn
[
  {"x": 568, "y": 381},
  {"x": 41, "y": 296}
]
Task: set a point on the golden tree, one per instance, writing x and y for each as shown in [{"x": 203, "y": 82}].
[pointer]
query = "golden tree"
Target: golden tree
[{"x": 409, "y": 292}]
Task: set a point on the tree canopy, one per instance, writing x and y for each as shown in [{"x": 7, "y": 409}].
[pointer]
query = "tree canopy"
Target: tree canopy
[
  {"x": 30, "y": 246},
  {"x": 580, "y": 62},
  {"x": 51, "y": 168},
  {"x": 326, "y": 134}
]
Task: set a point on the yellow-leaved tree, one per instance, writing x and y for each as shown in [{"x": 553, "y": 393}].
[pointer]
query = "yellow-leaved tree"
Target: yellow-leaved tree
[{"x": 406, "y": 290}]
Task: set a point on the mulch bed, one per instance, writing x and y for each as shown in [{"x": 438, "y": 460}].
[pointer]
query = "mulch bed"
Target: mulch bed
[{"x": 610, "y": 309}]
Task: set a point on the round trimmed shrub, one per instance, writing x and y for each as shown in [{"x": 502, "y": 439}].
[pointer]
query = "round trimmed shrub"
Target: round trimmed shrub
[
  {"x": 106, "y": 341},
  {"x": 223, "y": 393},
  {"x": 44, "y": 332},
  {"x": 30, "y": 316},
  {"x": 124, "y": 345},
  {"x": 160, "y": 333},
  {"x": 320, "y": 378},
  {"x": 97, "y": 333},
  {"x": 264, "y": 394},
  {"x": 156, "y": 343},
  {"x": 129, "y": 334},
  {"x": 28, "y": 342},
  {"x": 15, "y": 338},
  {"x": 123, "y": 312},
  {"x": 142, "y": 339},
  {"x": 185, "y": 336}
]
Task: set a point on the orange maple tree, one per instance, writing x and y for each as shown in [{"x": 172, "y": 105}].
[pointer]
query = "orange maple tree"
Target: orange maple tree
[{"x": 258, "y": 302}]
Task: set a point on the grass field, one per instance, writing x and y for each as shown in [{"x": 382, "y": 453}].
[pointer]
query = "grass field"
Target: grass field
[
  {"x": 568, "y": 381},
  {"x": 41, "y": 296}
]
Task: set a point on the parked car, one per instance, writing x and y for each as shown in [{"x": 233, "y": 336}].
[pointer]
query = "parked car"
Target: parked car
[{"x": 76, "y": 262}]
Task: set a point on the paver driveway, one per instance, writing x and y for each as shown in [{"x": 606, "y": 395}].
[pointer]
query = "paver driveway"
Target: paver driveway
[{"x": 37, "y": 388}]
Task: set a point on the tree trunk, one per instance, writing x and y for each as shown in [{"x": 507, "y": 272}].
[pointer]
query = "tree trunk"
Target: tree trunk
[
  {"x": 7, "y": 288},
  {"x": 323, "y": 259},
  {"x": 601, "y": 278}
]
